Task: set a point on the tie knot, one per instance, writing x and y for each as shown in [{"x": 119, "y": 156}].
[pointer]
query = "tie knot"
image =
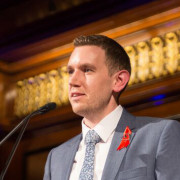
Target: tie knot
[{"x": 92, "y": 137}]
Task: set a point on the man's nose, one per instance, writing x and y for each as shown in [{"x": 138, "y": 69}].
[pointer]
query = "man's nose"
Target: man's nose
[{"x": 74, "y": 79}]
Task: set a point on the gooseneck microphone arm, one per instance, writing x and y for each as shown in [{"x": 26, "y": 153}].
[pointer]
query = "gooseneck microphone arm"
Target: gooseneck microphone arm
[
  {"x": 24, "y": 122},
  {"x": 41, "y": 110},
  {"x": 15, "y": 129}
]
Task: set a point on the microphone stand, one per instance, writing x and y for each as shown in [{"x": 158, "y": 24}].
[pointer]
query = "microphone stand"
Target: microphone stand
[
  {"x": 13, "y": 131},
  {"x": 24, "y": 122}
]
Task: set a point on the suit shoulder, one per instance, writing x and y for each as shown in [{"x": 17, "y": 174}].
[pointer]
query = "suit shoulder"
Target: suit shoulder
[{"x": 153, "y": 121}]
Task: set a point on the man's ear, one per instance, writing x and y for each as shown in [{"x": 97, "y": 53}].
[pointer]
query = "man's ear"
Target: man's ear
[{"x": 121, "y": 78}]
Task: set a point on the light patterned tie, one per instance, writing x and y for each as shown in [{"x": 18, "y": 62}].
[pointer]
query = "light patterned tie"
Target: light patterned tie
[{"x": 87, "y": 171}]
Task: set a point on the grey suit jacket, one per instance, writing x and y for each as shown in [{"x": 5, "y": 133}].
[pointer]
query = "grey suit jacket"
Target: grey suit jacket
[{"x": 153, "y": 153}]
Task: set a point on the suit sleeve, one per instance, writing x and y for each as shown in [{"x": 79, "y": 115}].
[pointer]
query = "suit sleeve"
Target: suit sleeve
[
  {"x": 47, "y": 171},
  {"x": 168, "y": 153}
]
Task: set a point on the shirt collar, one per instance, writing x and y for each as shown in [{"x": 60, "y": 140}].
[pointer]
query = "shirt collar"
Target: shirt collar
[{"x": 107, "y": 125}]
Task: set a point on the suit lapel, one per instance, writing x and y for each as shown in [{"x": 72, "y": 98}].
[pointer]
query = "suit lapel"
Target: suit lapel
[
  {"x": 114, "y": 158},
  {"x": 70, "y": 154}
]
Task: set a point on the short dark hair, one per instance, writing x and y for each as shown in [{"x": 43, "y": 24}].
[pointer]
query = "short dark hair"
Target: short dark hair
[{"x": 116, "y": 56}]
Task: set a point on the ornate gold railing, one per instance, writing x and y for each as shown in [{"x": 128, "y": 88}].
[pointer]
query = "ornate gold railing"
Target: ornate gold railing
[
  {"x": 154, "y": 58},
  {"x": 157, "y": 57},
  {"x": 34, "y": 92}
]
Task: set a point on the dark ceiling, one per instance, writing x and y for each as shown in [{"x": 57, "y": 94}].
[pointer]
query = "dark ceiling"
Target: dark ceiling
[{"x": 27, "y": 21}]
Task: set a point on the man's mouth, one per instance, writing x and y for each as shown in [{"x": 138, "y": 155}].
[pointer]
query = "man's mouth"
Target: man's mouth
[{"x": 77, "y": 94}]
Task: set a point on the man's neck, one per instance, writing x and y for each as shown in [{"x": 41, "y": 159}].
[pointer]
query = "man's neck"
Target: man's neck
[{"x": 93, "y": 119}]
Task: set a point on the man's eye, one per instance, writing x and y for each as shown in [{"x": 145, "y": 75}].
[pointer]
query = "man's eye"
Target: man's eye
[
  {"x": 87, "y": 70},
  {"x": 69, "y": 71}
]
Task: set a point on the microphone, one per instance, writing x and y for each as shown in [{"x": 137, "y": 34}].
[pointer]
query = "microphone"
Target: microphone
[{"x": 47, "y": 107}]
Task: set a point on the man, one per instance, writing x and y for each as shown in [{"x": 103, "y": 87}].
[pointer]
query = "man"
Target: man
[{"x": 126, "y": 147}]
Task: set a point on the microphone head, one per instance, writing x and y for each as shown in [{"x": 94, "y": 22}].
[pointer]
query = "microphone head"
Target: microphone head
[{"x": 47, "y": 107}]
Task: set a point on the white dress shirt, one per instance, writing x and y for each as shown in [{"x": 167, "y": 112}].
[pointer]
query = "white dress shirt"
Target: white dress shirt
[{"x": 105, "y": 129}]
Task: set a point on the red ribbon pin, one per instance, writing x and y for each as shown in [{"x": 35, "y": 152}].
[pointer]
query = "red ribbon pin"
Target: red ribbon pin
[{"x": 126, "y": 139}]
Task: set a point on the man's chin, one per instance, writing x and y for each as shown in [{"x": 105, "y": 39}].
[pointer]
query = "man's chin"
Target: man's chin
[{"x": 79, "y": 110}]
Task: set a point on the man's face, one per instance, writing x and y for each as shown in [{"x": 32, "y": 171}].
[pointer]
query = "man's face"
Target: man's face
[{"x": 90, "y": 86}]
